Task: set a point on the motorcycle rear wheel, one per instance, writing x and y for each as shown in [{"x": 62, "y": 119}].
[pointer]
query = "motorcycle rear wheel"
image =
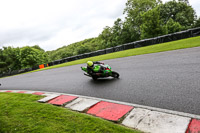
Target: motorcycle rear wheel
[{"x": 94, "y": 78}]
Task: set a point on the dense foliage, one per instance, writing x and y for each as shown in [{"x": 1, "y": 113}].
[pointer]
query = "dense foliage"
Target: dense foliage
[
  {"x": 77, "y": 48},
  {"x": 144, "y": 19},
  {"x": 20, "y": 58}
]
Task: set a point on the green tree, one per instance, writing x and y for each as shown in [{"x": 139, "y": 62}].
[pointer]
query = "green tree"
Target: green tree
[
  {"x": 32, "y": 57},
  {"x": 82, "y": 49},
  {"x": 29, "y": 57},
  {"x": 38, "y": 47},
  {"x": 152, "y": 25},
  {"x": 85, "y": 46},
  {"x": 117, "y": 32},
  {"x": 197, "y": 23},
  {"x": 173, "y": 26},
  {"x": 11, "y": 57},
  {"x": 111, "y": 36},
  {"x": 180, "y": 12},
  {"x": 106, "y": 38},
  {"x": 64, "y": 54},
  {"x": 129, "y": 33},
  {"x": 134, "y": 10},
  {"x": 2, "y": 62}
]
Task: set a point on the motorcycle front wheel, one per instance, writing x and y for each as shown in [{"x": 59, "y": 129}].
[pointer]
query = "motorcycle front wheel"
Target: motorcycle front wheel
[{"x": 115, "y": 74}]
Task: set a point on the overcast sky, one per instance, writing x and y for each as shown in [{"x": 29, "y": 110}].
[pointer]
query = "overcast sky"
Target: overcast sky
[{"x": 52, "y": 24}]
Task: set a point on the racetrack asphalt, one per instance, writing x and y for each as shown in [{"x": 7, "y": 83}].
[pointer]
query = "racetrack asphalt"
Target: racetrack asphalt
[{"x": 167, "y": 80}]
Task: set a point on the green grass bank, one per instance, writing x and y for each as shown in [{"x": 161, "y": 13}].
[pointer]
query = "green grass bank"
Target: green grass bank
[{"x": 21, "y": 113}]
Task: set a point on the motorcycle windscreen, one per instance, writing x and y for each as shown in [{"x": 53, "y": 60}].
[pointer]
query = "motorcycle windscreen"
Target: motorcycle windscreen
[{"x": 84, "y": 69}]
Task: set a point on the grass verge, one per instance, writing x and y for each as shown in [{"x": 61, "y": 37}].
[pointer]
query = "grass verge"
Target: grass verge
[
  {"x": 180, "y": 44},
  {"x": 22, "y": 113}
]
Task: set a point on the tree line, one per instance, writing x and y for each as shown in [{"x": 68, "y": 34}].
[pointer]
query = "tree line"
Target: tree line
[
  {"x": 20, "y": 58},
  {"x": 144, "y": 19}
]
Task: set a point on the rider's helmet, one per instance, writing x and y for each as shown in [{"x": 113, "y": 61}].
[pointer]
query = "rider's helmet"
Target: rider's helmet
[{"x": 90, "y": 64}]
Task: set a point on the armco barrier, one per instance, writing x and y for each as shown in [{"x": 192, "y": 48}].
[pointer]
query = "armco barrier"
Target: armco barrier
[
  {"x": 195, "y": 31},
  {"x": 101, "y": 52},
  {"x": 181, "y": 35},
  {"x": 62, "y": 61},
  {"x": 141, "y": 43},
  {"x": 66, "y": 60},
  {"x": 79, "y": 56},
  {"x": 28, "y": 69},
  {"x": 86, "y": 55},
  {"x": 94, "y": 53},
  {"x": 14, "y": 72},
  {"x": 56, "y": 62},
  {"x": 35, "y": 67},
  {"x": 118, "y": 48},
  {"x": 109, "y": 50},
  {"x": 128, "y": 45},
  {"x": 72, "y": 58},
  {"x": 50, "y": 64},
  {"x": 22, "y": 71}
]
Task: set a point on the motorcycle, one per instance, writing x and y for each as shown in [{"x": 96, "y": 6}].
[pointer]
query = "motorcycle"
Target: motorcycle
[{"x": 105, "y": 70}]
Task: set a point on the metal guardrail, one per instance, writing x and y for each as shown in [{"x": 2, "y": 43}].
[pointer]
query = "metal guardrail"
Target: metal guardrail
[{"x": 136, "y": 44}]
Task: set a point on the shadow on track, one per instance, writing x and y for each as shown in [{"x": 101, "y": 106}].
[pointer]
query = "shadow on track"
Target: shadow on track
[{"x": 104, "y": 81}]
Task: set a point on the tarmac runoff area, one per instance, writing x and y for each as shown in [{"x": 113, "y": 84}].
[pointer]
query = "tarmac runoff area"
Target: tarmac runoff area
[{"x": 143, "y": 118}]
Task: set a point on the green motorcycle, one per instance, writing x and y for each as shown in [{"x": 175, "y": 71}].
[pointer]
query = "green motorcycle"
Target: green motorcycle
[{"x": 104, "y": 69}]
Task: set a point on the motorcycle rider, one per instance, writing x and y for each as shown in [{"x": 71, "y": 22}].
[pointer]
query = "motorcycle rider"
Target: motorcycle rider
[{"x": 90, "y": 68}]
